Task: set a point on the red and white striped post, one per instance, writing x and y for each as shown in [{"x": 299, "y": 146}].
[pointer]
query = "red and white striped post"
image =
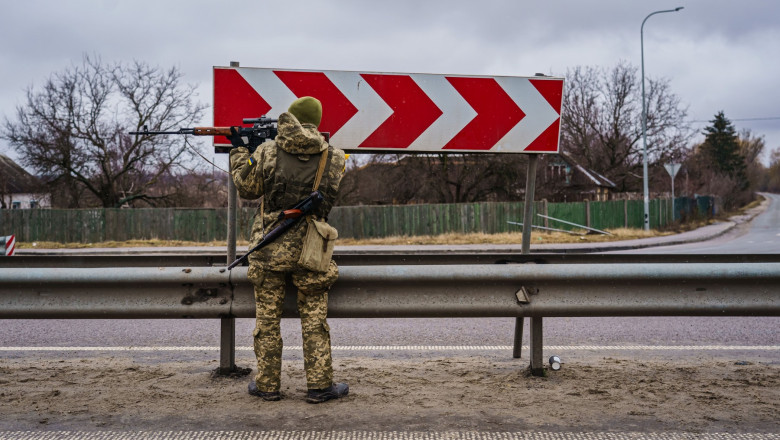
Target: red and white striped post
[{"x": 9, "y": 245}]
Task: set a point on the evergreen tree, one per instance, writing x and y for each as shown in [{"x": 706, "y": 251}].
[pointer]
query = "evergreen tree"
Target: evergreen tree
[{"x": 722, "y": 146}]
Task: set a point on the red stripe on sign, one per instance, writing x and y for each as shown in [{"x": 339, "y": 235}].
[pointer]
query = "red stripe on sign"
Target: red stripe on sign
[
  {"x": 413, "y": 111},
  {"x": 548, "y": 140},
  {"x": 551, "y": 90},
  {"x": 497, "y": 113},
  {"x": 234, "y": 100},
  {"x": 336, "y": 108}
]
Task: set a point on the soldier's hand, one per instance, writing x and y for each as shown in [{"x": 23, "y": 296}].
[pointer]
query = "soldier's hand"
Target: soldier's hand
[{"x": 235, "y": 138}]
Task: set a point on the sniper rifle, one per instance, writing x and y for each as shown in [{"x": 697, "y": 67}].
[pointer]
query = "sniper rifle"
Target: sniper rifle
[
  {"x": 288, "y": 219},
  {"x": 262, "y": 129}
]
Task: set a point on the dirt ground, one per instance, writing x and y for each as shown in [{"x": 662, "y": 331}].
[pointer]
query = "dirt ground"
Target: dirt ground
[{"x": 463, "y": 393}]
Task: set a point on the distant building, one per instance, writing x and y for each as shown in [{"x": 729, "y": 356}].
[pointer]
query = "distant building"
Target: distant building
[
  {"x": 20, "y": 189},
  {"x": 572, "y": 182}
]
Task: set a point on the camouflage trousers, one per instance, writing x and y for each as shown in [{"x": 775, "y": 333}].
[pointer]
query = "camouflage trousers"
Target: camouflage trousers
[{"x": 313, "y": 289}]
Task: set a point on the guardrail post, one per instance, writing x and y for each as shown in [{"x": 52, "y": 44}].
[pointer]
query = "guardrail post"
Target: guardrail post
[
  {"x": 517, "y": 350},
  {"x": 227, "y": 345},
  {"x": 537, "y": 365}
]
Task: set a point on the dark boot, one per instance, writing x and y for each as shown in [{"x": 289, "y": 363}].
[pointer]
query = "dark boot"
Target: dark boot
[
  {"x": 334, "y": 391},
  {"x": 268, "y": 396}
]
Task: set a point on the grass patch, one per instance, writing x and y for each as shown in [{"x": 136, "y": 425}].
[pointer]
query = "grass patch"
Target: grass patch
[
  {"x": 443, "y": 239},
  {"x": 121, "y": 244},
  {"x": 755, "y": 203},
  {"x": 506, "y": 238}
]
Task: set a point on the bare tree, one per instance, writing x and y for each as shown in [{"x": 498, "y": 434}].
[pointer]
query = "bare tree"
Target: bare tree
[
  {"x": 601, "y": 124},
  {"x": 74, "y": 129},
  {"x": 4, "y": 190},
  {"x": 750, "y": 148},
  {"x": 772, "y": 178},
  {"x": 381, "y": 179},
  {"x": 435, "y": 178},
  {"x": 202, "y": 189},
  {"x": 463, "y": 178}
]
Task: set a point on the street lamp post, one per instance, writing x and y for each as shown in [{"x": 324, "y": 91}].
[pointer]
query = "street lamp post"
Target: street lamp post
[{"x": 644, "y": 118}]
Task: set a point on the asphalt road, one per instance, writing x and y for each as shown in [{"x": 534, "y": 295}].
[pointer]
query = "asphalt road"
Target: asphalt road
[{"x": 760, "y": 236}]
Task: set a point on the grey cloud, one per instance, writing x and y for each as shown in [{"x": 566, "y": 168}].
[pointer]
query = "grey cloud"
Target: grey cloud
[{"x": 507, "y": 37}]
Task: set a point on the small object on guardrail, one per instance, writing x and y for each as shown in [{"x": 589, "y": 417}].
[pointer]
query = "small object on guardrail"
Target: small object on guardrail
[
  {"x": 555, "y": 363},
  {"x": 522, "y": 296},
  {"x": 8, "y": 244}
]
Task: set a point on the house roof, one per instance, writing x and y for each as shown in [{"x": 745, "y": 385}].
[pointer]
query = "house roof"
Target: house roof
[{"x": 15, "y": 180}]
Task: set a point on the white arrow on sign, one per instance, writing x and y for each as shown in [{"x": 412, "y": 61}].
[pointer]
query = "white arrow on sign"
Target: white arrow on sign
[
  {"x": 372, "y": 110},
  {"x": 456, "y": 111},
  {"x": 538, "y": 113},
  {"x": 278, "y": 96}
]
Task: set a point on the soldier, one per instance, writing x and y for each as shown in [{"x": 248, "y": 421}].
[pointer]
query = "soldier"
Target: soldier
[{"x": 283, "y": 172}]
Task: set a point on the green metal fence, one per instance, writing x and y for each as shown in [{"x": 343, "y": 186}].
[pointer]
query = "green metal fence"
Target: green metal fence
[
  {"x": 571, "y": 212},
  {"x": 204, "y": 225}
]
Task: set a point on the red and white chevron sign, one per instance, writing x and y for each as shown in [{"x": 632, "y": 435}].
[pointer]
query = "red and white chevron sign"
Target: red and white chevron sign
[{"x": 402, "y": 111}]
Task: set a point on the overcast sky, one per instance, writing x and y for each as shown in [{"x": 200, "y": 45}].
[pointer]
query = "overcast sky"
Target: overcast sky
[{"x": 717, "y": 54}]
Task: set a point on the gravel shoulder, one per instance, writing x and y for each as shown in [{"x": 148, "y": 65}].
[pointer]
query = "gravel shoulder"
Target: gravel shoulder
[{"x": 458, "y": 393}]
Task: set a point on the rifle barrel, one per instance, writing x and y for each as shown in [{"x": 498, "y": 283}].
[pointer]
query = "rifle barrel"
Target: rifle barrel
[
  {"x": 179, "y": 131},
  {"x": 155, "y": 132}
]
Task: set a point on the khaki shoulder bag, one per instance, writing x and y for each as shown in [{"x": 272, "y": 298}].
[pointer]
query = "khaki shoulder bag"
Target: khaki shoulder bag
[{"x": 317, "y": 249}]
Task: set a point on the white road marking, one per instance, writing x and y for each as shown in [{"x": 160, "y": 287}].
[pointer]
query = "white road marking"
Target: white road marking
[
  {"x": 378, "y": 435},
  {"x": 425, "y": 348}
]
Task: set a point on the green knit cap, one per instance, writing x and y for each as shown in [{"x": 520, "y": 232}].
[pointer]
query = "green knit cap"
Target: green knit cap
[{"x": 307, "y": 110}]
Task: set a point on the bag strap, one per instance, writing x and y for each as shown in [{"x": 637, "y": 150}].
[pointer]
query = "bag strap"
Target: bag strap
[
  {"x": 318, "y": 178},
  {"x": 320, "y": 170}
]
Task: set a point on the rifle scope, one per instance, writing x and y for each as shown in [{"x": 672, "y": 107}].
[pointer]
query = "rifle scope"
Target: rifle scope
[{"x": 260, "y": 120}]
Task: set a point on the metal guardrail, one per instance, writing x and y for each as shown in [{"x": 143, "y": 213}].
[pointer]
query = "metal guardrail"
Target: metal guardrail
[
  {"x": 477, "y": 290},
  {"x": 405, "y": 291},
  {"x": 378, "y": 258}
]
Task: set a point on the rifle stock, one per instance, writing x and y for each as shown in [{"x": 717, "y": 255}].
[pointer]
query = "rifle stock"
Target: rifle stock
[{"x": 211, "y": 131}]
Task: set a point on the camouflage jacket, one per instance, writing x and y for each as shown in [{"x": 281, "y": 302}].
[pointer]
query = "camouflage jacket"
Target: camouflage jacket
[{"x": 282, "y": 171}]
